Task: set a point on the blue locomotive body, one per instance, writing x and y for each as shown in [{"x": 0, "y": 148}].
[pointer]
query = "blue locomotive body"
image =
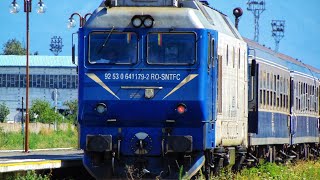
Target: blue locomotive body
[
  {"x": 166, "y": 84},
  {"x": 145, "y": 94}
]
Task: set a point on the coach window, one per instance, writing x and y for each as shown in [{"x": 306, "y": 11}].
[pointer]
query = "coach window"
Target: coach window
[
  {"x": 278, "y": 91},
  {"x": 317, "y": 99},
  {"x": 302, "y": 97},
  {"x": 308, "y": 98},
  {"x": 313, "y": 102},
  {"x": 299, "y": 96},
  {"x": 281, "y": 92},
  {"x": 296, "y": 95},
  {"x": 260, "y": 84},
  {"x": 284, "y": 93},
  {"x": 288, "y": 94},
  {"x": 171, "y": 48},
  {"x": 268, "y": 89},
  {"x": 113, "y": 47},
  {"x": 305, "y": 97},
  {"x": 271, "y": 90},
  {"x": 264, "y": 87},
  {"x": 312, "y": 99},
  {"x": 274, "y": 91}
]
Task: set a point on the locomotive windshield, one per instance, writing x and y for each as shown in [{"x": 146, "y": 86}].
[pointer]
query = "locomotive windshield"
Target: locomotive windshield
[
  {"x": 112, "y": 48},
  {"x": 171, "y": 48}
]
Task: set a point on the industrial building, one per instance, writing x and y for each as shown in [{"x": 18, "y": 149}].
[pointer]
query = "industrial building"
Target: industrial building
[{"x": 52, "y": 78}]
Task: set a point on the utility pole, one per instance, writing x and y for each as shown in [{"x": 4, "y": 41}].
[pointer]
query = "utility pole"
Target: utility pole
[
  {"x": 55, "y": 107},
  {"x": 256, "y": 7},
  {"x": 14, "y": 8},
  {"x": 277, "y": 32}
]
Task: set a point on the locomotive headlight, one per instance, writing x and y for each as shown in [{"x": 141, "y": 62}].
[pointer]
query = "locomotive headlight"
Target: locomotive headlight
[
  {"x": 148, "y": 22},
  {"x": 101, "y": 108},
  {"x": 181, "y": 108},
  {"x": 136, "y": 21}
]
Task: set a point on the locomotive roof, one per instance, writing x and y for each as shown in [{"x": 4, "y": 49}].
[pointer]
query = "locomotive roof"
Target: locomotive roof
[
  {"x": 191, "y": 14},
  {"x": 282, "y": 59}
]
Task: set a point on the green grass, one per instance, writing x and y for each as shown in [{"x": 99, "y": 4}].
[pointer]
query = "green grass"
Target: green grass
[
  {"x": 300, "y": 170},
  {"x": 28, "y": 175},
  {"x": 44, "y": 139}
]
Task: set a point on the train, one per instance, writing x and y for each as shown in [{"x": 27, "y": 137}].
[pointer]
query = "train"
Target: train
[{"x": 170, "y": 88}]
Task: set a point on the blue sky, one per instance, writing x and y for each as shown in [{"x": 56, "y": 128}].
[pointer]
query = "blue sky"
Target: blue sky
[{"x": 301, "y": 39}]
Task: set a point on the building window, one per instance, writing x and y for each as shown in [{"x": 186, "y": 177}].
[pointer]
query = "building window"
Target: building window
[{"x": 39, "y": 81}]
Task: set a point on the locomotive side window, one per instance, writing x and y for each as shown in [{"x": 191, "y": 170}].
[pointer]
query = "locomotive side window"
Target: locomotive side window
[
  {"x": 113, "y": 48},
  {"x": 171, "y": 48},
  {"x": 212, "y": 52}
]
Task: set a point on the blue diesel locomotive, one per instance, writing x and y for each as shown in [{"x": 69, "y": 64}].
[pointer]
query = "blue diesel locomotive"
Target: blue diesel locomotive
[{"x": 170, "y": 85}]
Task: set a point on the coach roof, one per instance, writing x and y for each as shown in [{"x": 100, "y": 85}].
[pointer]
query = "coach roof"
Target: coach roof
[{"x": 282, "y": 59}]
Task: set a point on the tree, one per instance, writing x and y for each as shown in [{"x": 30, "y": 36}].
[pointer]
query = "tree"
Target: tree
[
  {"x": 13, "y": 47},
  {"x": 41, "y": 111},
  {"x": 73, "y": 110},
  {"x": 4, "y": 112}
]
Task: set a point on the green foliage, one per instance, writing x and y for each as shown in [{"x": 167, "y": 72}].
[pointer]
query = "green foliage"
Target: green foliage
[
  {"x": 13, "y": 47},
  {"x": 4, "y": 112},
  {"x": 54, "y": 139},
  {"x": 29, "y": 175},
  {"x": 180, "y": 172},
  {"x": 41, "y": 111},
  {"x": 43, "y": 140},
  {"x": 297, "y": 171},
  {"x": 71, "y": 115}
]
